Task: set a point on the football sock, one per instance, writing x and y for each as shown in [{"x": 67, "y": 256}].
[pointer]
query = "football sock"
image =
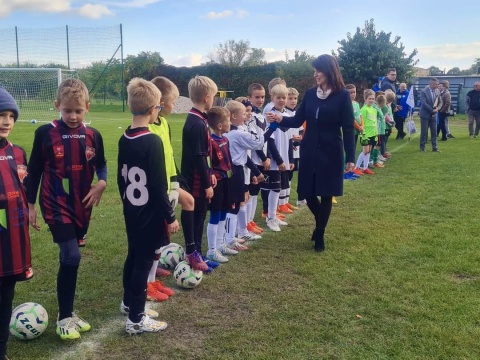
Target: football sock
[
  {"x": 248, "y": 205},
  {"x": 273, "y": 197},
  {"x": 375, "y": 155},
  {"x": 282, "y": 198},
  {"x": 186, "y": 217},
  {"x": 253, "y": 207},
  {"x": 220, "y": 234},
  {"x": 231, "y": 226},
  {"x": 212, "y": 230},
  {"x": 242, "y": 220},
  {"x": 366, "y": 160},
  {"x": 66, "y": 285},
  {"x": 7, "y": 291},
  {"x": 360, "y": 159},
  {"x": 153, "y": 270},
  {"x": 265, "y": 194}
]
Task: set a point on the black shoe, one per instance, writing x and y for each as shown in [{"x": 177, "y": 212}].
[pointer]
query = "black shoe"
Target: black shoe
[
  {"x": 319, "y": 240},
  {"x": 436, "y": 150},
  {"x": 450, "y": 136},
  {"x": 444, "y": 139}
]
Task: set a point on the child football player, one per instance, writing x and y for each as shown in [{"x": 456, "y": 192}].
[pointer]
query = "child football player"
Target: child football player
[
  {"x": 142, "y": 183},
  {"x": 15, "y": 257},
  {"x": 65, "y": 156}
]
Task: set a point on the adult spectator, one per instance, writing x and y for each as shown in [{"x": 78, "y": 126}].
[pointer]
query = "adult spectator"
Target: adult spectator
[
  {"x": 444, "y": 111},
  {"x": 403, "y": 110},
  {"x": 328, "y": 112},
  {"x": 472, "y": 105},
  {"x": 388, "y": 82},
  {"x": 431, "y": 102}
]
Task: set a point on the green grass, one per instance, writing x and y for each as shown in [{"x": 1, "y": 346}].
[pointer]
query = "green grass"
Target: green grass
[{"x": 399, "y": 278}]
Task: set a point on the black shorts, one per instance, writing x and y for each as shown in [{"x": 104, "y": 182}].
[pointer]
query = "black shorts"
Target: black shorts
[
  {"x": 368, "y": 141},
  {"x": 254, "y": 189},
  {"x": 272, "y": 180},
  {"x": 221, "y": 197},
  {"x": 65, "y": 232},
  {"x": 237, "y": 185},
  {"x": 284, "y": 180}
]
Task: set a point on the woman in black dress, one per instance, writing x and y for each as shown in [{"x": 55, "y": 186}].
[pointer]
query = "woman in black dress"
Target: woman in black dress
[{"x": 329, "y": 135}]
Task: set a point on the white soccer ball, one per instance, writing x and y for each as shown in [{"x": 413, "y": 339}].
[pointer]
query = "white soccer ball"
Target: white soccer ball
[
  {"x": 33, "y": 121},
  {"x": 171, "y": 255},
  {"x": 28, "y": 321},
  {"x": 187, "y": 277}
]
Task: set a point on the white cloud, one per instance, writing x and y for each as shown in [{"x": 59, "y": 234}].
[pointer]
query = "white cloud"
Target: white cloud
[
  {"x": 219, "y": 15},
  {"x": 186, "y": 60},
  {"x": 8, "y": 6},
  {"x": 212, "y": 15},
  {"x": 132, "y": 3},
  {"x": 447, "y": 56},
  {"x": 272, "y": 55},
  {"x": 94, "y": 11}
]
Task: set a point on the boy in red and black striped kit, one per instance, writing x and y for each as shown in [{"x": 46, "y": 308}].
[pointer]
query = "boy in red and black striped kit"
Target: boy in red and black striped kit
[
  {"x": 65, "y": 156},
  {"x": 15, "y": 258}
]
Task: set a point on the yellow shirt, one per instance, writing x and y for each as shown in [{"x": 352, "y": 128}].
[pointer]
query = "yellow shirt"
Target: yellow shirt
[{"x": 162, "y": 129}]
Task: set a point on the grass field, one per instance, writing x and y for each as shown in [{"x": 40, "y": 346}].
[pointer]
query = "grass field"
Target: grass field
[{"x": 399, "y": 278}]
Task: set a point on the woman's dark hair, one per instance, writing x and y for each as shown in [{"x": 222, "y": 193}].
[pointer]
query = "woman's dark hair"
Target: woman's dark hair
[{"x": 328, "y": 65}]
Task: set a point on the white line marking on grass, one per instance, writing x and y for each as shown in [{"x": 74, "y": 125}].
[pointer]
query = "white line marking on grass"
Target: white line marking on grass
[
  {"x": 404, "y": 144},
  {"x": 84, "y": 349}
]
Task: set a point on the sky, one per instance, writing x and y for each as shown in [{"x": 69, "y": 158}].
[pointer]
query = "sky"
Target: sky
[{"x": 185, "y": 32}]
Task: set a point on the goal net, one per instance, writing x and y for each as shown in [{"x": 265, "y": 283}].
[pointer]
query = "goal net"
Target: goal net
[{"x": 35, "y": 90}]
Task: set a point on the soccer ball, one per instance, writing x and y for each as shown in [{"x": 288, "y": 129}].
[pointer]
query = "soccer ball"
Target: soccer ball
[
  {"x": 171, "y": 255},
  {"x": 187, "y": 277},
  {"x": 33, "y": 121},
  {"x": 28, "y": 321}
]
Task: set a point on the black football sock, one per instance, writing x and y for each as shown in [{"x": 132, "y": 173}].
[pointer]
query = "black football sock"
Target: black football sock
[
  {"x": 66, "y": 285},
  {"x": 187, "y": 219}
]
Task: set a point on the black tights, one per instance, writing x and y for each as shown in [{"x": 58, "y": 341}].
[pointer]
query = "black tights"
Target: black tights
[
  {"x": 7, "y": 290},
  {"x": 320, "y": 209}
]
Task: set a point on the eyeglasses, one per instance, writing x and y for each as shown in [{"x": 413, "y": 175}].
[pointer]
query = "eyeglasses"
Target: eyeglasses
[{"x": 143, "y": 112}]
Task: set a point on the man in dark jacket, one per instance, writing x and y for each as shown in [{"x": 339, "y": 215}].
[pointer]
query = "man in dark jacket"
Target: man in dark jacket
[{"x": 472, "y": 105}]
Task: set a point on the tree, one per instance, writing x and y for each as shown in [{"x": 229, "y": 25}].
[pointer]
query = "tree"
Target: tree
[
  {"x": 367, "y": 54},
  {"x": 454, "y": 71},
  {"x": 142, "y": 65},
  {"x": 256, "y": 57},
  {"x": 237, "y": 53},
  {"x": 433, "y": 70},
  {"x": 299, "y": 57}
]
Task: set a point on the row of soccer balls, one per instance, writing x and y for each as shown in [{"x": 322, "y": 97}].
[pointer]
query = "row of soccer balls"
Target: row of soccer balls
[{"x": 29, "y": 320}]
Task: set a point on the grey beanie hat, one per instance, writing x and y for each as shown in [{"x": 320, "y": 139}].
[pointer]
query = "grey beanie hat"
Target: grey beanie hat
[{"x": 7, "y": 102}]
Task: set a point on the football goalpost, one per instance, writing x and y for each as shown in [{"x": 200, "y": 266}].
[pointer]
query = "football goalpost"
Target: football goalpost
[{"x": 35, "y": 90}]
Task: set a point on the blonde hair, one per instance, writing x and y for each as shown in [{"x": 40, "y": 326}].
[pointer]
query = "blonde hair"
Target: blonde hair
[
  {"x": 367, "y": 93},
  {"x": 378, "y": 93},
  {"x": 73, "y": 89},
  {"x": 242, "y": 99},
  {"x": 168, "y": 89},
  {"x": 234, "y": 106},
  {"x": 390, "y": 95},
  {"x": 293, "y": 91},
  {"x": 217, "y": 115},
  {"x": 279, "y": 90},
  {"x": 199, "y": 87},
  {"x": 275, "y": 81},
  {"x": 381, "y": 100},
  {"x": 142, "y": 95}
]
